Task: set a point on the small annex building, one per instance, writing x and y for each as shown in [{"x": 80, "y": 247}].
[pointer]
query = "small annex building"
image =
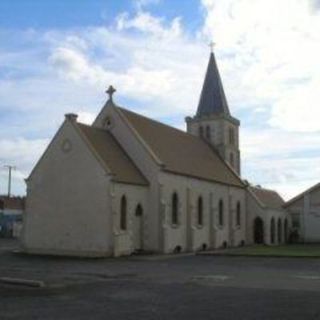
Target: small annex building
[
  {"x": 304, "y": 211},
  {"x": 129, "y": 183},
  {"x": 269, "y": 222}
]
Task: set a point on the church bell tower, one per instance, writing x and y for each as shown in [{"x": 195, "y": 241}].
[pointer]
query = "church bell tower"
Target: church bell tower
[{"x": 213, "y": 121}]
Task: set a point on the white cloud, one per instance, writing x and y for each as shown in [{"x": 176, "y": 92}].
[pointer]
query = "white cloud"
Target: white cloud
[
  {"x": 86, "y": 117},
  {"x": 299, "y": 109},
  {"x": 23, "y": 154},
  {"x": 145, "y": 22},
  {"x": 151, "y": 68},
  {"x": 267, "y": 53},
  {"x": 285, "y": 160},
  {"x": 261, "y": 143},
  {"x": 75, "y": 66},
  {"x": 275, "y": 47},
  {"x": 140, "y": 4}
]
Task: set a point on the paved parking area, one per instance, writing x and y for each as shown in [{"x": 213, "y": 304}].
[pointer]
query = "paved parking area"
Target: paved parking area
[{"x": 185, "y": 287}]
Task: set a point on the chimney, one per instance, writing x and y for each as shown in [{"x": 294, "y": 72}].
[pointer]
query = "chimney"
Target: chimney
[{"x": 71, "y": 117}]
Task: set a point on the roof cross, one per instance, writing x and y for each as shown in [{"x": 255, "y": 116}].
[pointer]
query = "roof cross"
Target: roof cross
[
  {"x": 111, "y": 90},
  {"x": 212, "y": 45}
]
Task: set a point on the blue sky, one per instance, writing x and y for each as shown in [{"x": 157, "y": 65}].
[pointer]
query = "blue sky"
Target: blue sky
[
  {"x": 59, "y": 56},
  {"x": 50, "y": 14}
]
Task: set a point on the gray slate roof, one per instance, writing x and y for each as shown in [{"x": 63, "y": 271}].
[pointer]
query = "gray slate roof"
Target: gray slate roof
[
  {"x": 212, "y": 99},
  {"x": 181, "y": 152}
]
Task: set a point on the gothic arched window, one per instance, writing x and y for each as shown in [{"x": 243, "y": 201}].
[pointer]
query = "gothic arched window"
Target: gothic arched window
[
  {"x": 286, "y": 231},
  {"x": 201, "y": 132},
  {"x": 174, "y": 208},
  {"x": 200, "y": 211},
  {"x": 208, "y": 133},
  {"x": 221, "y": 213},
  {"x": 238, "y": 216},
  {"x": 231, "y": 136},
  {"x": 279, "y": 230},
  {"x": 272, "y": 230},
  {"x": 123, "y": 213},
  {"x": 231, "y": 160}
]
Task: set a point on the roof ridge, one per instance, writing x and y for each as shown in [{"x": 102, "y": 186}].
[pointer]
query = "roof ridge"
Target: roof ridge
[
  {"x": 301, "y": 194},
  {"x": 264, "y": 189},
  {"x": 153, "y": 120},
  {"x": 180, "y": 131}
]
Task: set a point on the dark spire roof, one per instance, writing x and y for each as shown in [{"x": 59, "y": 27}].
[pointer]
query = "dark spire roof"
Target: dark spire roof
[{"x": 212, "y": 99}]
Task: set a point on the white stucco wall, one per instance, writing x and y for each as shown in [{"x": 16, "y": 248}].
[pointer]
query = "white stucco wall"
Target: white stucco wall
[
  {"x": 307, "y": 209},
  {"x": 68, "y": 206},
  {"x": 135, "y": 195},
  {"x": 187, "y": 233},
  {"x": 140, "y": 154}
]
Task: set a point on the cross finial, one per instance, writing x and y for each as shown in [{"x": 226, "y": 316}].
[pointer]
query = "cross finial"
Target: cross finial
[
  {"x": 111, "y": 90},
  {"x": 211, "y": 45}
]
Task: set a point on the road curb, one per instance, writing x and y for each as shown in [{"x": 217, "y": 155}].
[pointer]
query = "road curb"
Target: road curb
[
  {"x": 22, "y": 282},
  {"x": 255, "y": 256}
]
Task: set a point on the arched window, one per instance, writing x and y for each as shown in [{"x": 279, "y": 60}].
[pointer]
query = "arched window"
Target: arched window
[
  {"x": 200, "y": 211},
  {"x": 174, "y": 208},
  {"x": 231, "y": 160},
  {"x": 238, "y": 217},
  {"x": 279, "y": 230},
  {"x": 208, "y": 133},
  {"x": 139, "y": 210},
  {"x": 286, "y": 231},
  {"x": 221, "y": 213},
  {"x": 272, "y": 230},
  {"x": 231, "y": 136},
  {"x": 123, "y": 213},
  {"x": 258, "y": 230},
  {"x": 201, "y": 132}
]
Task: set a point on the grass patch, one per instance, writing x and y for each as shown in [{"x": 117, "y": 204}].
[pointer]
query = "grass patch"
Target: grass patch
[{"x": 300, "y": 250}]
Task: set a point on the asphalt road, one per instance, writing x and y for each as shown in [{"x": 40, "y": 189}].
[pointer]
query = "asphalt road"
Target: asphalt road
[{"x": 157, "y": 287}]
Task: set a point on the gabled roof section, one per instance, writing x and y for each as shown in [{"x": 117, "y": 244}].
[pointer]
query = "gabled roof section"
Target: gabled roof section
[
  {"x": 268, "y": 198},
  {"x": 112, "y": 155},
  {"x": 300, "y": 195},
  {"x": 181, "y": 152},
  {"x": 212, "y": 100}
]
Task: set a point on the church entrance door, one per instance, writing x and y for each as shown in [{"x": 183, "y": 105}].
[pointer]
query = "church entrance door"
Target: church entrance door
[
  {"x": 138, "y": 228},
  {"x": 258, "y": 231}
]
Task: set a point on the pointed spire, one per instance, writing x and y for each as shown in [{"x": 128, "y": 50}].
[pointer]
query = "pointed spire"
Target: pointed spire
[{"x": 212, "y": 99}]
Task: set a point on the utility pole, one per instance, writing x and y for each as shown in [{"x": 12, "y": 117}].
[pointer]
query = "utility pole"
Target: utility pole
[{"x": 10, "y": 168}]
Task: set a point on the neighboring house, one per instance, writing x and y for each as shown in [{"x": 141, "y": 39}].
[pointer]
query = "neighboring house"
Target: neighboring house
[
  {"x": 11, "y": 211},
  {"x": 129, "y": 183},
  {"x": 269, "y": 222},
  {"x": 304, "y": 210}
]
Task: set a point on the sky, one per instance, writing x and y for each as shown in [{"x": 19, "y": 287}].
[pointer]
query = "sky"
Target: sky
[{"x": 59, "y": 56}]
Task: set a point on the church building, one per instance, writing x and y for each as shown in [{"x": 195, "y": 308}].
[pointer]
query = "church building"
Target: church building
[{"x": 128, "y": 183}]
